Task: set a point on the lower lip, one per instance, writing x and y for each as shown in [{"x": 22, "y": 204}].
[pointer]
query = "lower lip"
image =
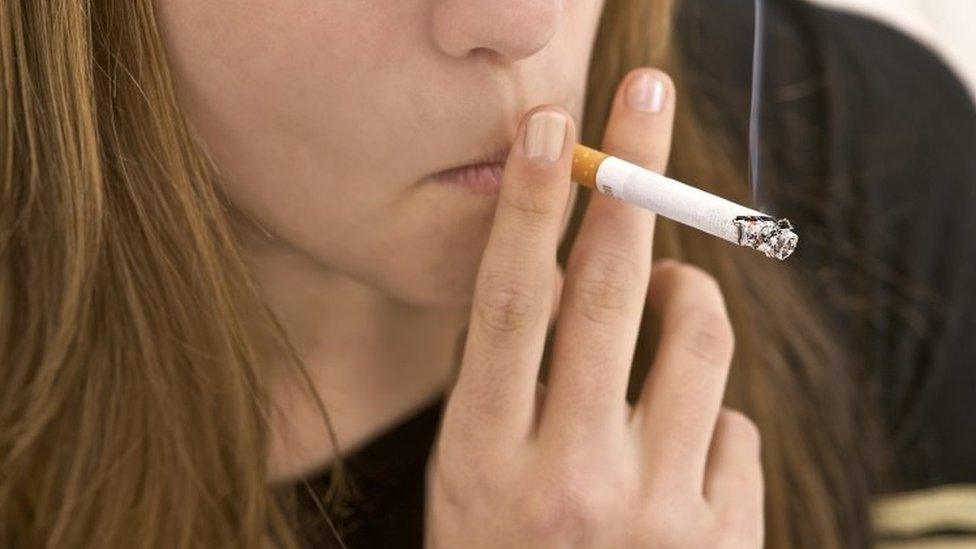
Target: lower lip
[{"x": 478, "y": 178}]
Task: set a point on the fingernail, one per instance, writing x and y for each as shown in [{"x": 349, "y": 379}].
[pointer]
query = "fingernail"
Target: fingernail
[
  {"x": 647, "y": 93},
  {"x": 545, "y": 135}
]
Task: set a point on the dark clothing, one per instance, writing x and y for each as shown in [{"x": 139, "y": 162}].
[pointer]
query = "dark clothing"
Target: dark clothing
[{"x": 872, "y": 143}]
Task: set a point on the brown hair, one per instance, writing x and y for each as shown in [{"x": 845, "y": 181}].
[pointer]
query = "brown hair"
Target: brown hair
[
  {"x": 820, "y": 443},
  {"x": 133, "y": 397}
]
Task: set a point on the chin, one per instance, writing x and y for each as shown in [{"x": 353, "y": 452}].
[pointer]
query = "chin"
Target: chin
[
  {"x": 443, "y": 291},
  {"x": 435, "y": 259},
  {"x": 434, "y": 280}
]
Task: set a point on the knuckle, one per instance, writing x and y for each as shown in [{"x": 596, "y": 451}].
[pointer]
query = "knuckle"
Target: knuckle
[
  {"x": 505, "y": 304},
  {"x": 461, "y": 476},
  {"x": 741, "y": 427},
  {"x": 603, "y": 284},
  {"x": 706, "y": 334},
  {"x": 534, "y": 205},
  {"x": 564, "y": 512},
  {"x": 671, "y": 523},
  {"x": 455, "y": 490}
]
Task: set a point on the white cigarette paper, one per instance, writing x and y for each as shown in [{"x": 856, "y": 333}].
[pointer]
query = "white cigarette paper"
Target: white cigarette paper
[{"x": 683, "y": 203}]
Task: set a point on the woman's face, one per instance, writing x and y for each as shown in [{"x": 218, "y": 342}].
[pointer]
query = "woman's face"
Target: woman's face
[{"x": 329, "y": 118}]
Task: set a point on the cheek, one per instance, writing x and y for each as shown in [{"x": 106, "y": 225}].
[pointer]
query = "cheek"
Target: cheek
[
  {"x": 270, "y": 82},
  {"x": 437, "y": 254},
  {"x": 295, "y": 106},
  {"x": 278, "y": 91}
]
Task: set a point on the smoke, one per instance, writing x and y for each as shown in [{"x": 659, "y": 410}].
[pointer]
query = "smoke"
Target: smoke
[{"x": 755, "y": 114}]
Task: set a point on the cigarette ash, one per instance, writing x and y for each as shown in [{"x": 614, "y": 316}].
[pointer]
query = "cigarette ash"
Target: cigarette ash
[{"x": 774, "y": 238}]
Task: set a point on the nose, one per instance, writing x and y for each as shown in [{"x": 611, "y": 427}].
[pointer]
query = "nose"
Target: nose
[{"x": 514, "y": 29}]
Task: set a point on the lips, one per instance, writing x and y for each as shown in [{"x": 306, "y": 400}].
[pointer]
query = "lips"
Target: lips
[
  {"x": 498, "y": 157},
  {"x": 482, "y": 176}
]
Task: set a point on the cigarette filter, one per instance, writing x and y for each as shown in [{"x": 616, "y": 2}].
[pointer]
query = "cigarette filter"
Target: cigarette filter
[{"x": 683, "y": 203}]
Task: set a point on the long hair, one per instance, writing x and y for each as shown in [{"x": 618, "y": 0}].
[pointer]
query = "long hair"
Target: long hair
[
  {"x": 789, "y": 372},
  {"x": 134, "y": 406}
]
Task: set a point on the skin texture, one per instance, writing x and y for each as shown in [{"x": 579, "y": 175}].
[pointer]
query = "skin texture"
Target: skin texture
[
  {"x": 571, "y": 463},
  {"x": 326, "y": 119}
]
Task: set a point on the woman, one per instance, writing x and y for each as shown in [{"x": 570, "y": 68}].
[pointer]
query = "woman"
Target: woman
[{"x": 236, "y": 244}]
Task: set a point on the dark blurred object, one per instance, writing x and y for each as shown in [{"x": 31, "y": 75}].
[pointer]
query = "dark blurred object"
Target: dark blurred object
[{"x": 870, "y": 146}]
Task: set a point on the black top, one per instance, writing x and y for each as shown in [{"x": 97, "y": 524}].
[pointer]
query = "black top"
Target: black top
[{"x": 874, "y": 143}]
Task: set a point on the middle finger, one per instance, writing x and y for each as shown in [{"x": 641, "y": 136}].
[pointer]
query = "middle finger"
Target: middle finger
[{"x": 607, "y": 272}]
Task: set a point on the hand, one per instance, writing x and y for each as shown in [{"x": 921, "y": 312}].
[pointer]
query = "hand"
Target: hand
[{"x": 572, "y": 464}]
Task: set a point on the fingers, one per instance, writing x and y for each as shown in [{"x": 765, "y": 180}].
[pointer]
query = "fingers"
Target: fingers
[
  {"x": 607, "y": 271},
  {"x": 495, "y": 391},
  {"x": 640, "y": 125},
  {"x": 734, "y": 479},
  {"x": 683, "y": 392},
  {"x": 557, "y": 289}
]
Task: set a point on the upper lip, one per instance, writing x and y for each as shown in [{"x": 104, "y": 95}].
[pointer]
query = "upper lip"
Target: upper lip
[{"x": 497, "y": 157}]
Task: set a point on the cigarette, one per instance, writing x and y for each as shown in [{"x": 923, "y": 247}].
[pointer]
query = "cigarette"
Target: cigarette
[{"x": 683, "y": 203}]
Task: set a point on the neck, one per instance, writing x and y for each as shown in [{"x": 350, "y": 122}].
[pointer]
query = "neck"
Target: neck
[{"x": 372, "y": 358}]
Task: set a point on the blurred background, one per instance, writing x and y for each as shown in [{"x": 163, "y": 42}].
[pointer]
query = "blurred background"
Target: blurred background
[{"x": 947, "y": 26}]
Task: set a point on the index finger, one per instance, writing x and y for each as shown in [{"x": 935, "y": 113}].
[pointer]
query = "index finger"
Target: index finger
[{"x": 496, "y": 386}]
